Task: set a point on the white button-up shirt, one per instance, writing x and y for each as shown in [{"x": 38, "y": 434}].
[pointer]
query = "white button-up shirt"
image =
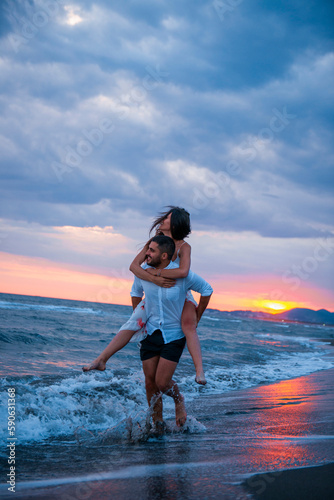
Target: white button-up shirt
[{"x": 164, "y": 305}]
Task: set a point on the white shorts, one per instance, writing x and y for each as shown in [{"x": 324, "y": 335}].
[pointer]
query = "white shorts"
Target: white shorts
[{"x": 137, "y": 323}]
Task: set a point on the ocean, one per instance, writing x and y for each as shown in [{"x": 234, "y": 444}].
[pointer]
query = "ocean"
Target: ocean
[{"x": 73, "y": 424}]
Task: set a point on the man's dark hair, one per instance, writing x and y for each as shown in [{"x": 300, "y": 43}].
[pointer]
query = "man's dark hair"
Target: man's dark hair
[{"x": 165, "y": 244}]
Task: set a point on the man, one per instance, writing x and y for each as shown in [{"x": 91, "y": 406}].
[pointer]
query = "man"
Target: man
[{"x": 162, "y": 348}]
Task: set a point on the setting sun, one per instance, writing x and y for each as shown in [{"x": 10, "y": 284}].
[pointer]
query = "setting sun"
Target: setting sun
[{"x": 275, "y": 306}]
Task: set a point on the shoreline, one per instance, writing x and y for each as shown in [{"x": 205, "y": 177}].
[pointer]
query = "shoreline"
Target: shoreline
[
  {"x": 270, "y": 431},
  {"x": 305, "y": 483}
]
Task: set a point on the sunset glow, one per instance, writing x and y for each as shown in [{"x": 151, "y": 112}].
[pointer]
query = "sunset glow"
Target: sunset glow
[{"x": 41, "y": 277}]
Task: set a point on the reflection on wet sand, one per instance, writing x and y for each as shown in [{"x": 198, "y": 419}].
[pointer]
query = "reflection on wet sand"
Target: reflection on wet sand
[
  {"x": 289, "y": 423},
  {"x": 251, "y": 437},
  {"x": 273, "y": 427}
]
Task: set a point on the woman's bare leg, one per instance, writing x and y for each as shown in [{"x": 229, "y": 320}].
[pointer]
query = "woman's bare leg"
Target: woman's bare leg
[
  {"x": 189, "y": 324},
  {"x": 122, "y": 338}
]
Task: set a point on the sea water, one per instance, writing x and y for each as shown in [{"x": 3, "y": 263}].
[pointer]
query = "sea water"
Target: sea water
[{"x": 45, "y": 342}]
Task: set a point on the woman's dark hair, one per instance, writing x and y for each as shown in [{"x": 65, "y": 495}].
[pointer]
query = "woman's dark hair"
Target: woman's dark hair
[{"x": 179, "y": 222}]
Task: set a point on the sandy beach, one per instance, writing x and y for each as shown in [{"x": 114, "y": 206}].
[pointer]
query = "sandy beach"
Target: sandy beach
[{"x": 272, "y": 441}]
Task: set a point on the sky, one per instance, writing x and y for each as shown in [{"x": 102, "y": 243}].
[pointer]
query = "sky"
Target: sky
[{"x": 113, "y": 110}]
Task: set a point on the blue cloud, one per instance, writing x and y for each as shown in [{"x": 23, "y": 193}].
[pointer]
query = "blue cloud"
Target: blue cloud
[{"x": 129, "y": 105}]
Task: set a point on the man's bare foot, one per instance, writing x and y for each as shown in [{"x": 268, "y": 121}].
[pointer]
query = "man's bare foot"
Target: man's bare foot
[
  {"x": 180, "y": 411},
  {"x": 159, "y": 428},
  {"x": 98, "y": 364},
  {"x": 200, "y": 378}
]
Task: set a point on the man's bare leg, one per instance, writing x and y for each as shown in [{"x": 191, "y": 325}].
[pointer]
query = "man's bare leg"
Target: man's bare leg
[
  {"x": 118, "y": 342},
  {"x": 180, "y": 407},
  {"x": 163, "y": 379},
  {"x": 153, "y": 393}
]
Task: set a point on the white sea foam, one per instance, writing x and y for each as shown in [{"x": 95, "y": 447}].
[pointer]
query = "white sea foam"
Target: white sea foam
[
  {"x": 289, "y": 338},
  {"x": 100, "y": 401},
  {"x": 237, "y": 354},
  {"x": 95, "y": 401},
  {"x": 47, "y": 307},
  {"x": 284, "y": 367}
]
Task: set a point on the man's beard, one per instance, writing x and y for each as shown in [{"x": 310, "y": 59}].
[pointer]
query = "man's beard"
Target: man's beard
[{"x": 154, "y": 262}]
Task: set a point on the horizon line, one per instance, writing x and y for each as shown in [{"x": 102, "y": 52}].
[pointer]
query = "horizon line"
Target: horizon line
[{"x": 208, "y": 309}]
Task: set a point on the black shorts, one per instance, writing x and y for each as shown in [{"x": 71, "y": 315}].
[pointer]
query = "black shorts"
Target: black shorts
[{"x": 153, "y": 345}]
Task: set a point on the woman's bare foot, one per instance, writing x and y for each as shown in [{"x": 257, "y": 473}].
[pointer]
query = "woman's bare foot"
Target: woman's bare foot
[
  {"x": 200, "y": 378},
  {"x": 98, "y": 364},
  {"x": 180, "y": 411}
]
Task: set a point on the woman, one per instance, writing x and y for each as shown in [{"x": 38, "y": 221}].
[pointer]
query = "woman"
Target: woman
[{"x": 174, "y": 223}]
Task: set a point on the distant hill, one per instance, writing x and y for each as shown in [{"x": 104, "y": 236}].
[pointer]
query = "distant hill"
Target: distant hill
[
  {"x": 322, "y": 316},
  {"x": 307, "y": 316}
]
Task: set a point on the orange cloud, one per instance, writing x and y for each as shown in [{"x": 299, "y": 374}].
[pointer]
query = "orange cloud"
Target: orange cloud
[
  {"x": 36, "y": 276},
  {"x": 92, "y": 240}
]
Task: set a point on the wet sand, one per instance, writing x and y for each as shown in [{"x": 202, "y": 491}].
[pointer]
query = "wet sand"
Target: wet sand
[
  {"x": 272, "y": 442},
  {"x": 309, "y": 483}
]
